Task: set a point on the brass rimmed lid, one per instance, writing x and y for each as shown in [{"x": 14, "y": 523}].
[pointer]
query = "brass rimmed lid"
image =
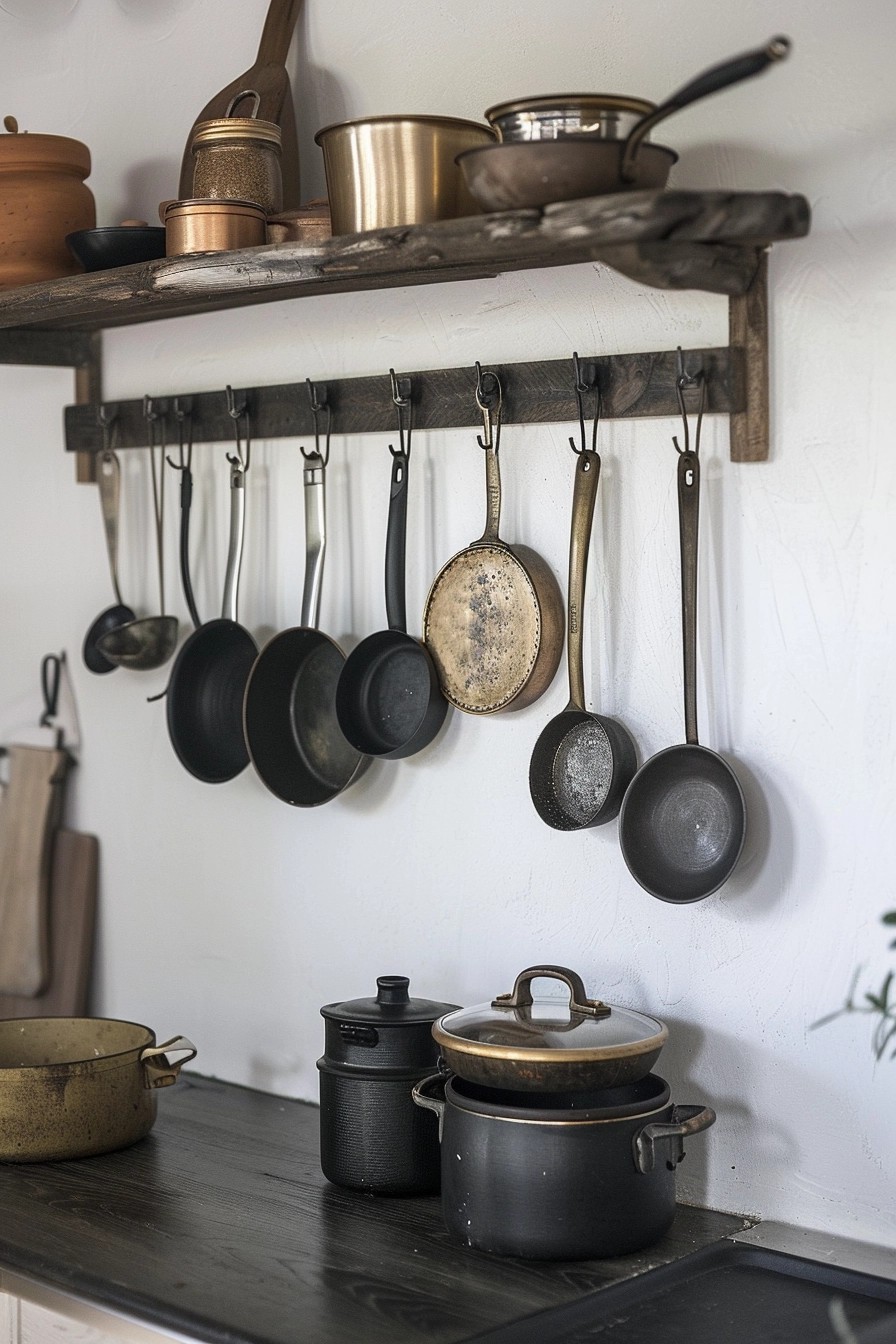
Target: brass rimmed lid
[
  {"x": 213, "y": 206},
  {"x": 590, "y": 104},
  {"x": 518, "y": 1028},
  {"x": 235, "y": 128}
]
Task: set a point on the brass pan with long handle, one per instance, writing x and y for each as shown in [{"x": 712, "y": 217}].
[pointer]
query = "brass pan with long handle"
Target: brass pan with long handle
[{"x": 493, "y": 620}]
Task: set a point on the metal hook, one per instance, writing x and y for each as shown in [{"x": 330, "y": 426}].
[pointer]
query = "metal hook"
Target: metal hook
[
  {"x": 402, "y": 400},
  {"x": 182, "y": 414},
  {"x": 489, "y": 403},
  {"x": 107, "y": 419},
  {"x": 236, "y": 413},
  {"x": 586, "y": 381},
  {"x": 319, "y": 404},
  {"x": 686, "y": 379}
]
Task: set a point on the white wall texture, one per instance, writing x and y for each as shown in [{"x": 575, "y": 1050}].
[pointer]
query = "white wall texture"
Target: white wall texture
[{"x": 231, "y": 917}]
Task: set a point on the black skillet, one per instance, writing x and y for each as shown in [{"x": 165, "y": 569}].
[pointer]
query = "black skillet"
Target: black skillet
[
  {"x": 289, "y": 718},
  {"x": 582, "y": 762},
  {"x": 388, "y": 700},
  {"x": 683, "y": 818},
  {"x": 204, "y": 700}
]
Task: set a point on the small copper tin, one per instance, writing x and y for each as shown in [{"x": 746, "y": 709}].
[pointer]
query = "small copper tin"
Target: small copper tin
[{"x": 212, "y": 226}]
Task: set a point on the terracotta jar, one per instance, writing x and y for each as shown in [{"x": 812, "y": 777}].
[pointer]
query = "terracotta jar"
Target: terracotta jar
[{"x": 44, "y": 197}]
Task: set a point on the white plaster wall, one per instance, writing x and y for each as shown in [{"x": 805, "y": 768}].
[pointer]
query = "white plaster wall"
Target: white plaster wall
[{"x": 230, "y": 917}]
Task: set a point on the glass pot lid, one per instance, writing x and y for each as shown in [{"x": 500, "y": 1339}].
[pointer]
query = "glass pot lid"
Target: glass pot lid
[{"x": 518, "y": 1027}]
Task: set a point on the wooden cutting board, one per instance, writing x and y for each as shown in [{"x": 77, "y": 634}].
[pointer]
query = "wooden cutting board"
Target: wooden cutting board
[
  {"x": 270, "y": 80},
  {"x": 29, "y": 816},
  {"x": 71, "y": 920}
]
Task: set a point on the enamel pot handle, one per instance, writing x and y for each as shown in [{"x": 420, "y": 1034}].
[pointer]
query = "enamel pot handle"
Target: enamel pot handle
[
  {"x": 686, "y": 1120},
  {"x": 158, "y": 1069}
]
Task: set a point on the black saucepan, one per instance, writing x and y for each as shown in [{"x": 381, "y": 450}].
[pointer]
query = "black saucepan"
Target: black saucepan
[
  {"x": 289, "y": 716},
  {"x": 683, "y": 818},
  {"x": 205, "y": 694},
  {"x": 388, "y": 699},
  {"x": 582, "y": 763}
]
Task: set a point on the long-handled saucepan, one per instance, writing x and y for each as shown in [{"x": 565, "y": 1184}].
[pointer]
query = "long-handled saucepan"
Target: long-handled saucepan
[
  {"x": 109, "y": 485},
  {"x": 184, "y": 464},
  {"x": 388, "y": 699},
  {"x": 517, "y": 173},
  {"x": 582, "y": 762},
  {"x": 145, "y": 644},
  {"x": 493, "y": 620},
  {"x": 204, "y": 701},
  {"x": 683, "y": 818},
  {"x": 289, "y": 715}
]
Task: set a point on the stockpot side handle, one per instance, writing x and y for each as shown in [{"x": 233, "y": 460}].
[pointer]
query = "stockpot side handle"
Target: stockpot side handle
[
  {"x": 422, "y": 1094},
  {"x": 521, "y": 996},
  {"x": 158, "y": 1070},
  {"x": 686, "y": 1120}
]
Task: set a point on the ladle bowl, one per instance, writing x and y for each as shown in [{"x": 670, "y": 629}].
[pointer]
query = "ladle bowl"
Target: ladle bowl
[
  {"x": 108, "y": 621},
  {"x": 140, "y": 645}
]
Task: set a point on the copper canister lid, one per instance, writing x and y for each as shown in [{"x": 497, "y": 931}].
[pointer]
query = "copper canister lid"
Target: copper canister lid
[{"x": 211, "y": 206}]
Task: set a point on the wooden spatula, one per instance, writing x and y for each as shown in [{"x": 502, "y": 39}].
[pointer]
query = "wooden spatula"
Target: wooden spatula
[
  {"x": 270, "y": 80},
  {"x": 72, "y": 915}
]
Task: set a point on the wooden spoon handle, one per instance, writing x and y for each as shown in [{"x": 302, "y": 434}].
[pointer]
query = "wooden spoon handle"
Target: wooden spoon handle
[{"x": 276, "y": 35}]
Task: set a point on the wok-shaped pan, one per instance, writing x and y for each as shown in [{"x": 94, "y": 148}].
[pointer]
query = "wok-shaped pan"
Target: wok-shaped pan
[
  {"x": 493, "y": 620},
  {"x": 388, "y": 699},
  {"x": 289, "y": 715},
  {"x": 582, "y": 763},
  {"x": 683, "y": 818},
  {"x": 204, "y": 701}
]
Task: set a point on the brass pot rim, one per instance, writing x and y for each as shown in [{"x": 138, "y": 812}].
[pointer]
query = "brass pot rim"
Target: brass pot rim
[
  {"x": 93, "y": 1062},
  {"x": 210, "y": 205},
  {"x": 393, "y": 119}
]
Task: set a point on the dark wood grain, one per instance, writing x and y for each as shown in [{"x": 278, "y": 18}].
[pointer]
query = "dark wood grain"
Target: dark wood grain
[
  {"x": 537, "y": 392},
  {"x": 219, "y": 1224},
  {"x": 748, "y": 331},
  {"x": 696, "y": 240}
]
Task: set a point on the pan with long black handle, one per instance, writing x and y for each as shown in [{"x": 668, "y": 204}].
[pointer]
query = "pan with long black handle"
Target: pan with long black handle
[{"x": 683, "y": 818}]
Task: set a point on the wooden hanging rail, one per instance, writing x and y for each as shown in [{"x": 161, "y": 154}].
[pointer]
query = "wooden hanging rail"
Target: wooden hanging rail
[{"x": 540, "y": 392}]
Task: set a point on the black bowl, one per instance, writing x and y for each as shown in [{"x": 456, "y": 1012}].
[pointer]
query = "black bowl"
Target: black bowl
[{"x": 121, "y": 245}]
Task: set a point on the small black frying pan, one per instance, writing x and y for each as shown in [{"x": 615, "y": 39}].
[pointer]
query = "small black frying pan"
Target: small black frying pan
[
  {"x": 204, "y": 701},
  {"x": 388, "y": 700},
  {"x": 289, "y": 716},
  {"x": 582, "y": 763},
  {"x": 683, "y": 818}
]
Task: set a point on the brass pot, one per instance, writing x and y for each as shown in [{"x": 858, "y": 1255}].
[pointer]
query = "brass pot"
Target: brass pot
[
  {"x": 388, "y": 171},
  {"x": 77, "y": 1086},
  {"x": 45, "y": 198},
  {"x": 212, "y": 226}
]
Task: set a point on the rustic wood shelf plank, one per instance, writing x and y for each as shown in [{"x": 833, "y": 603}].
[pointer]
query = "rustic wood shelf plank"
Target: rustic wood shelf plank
[{"x": 674, "y": 239}]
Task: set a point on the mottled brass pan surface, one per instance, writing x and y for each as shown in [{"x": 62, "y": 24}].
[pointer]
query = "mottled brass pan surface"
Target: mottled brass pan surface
[{"x": 76, "y": 1086}]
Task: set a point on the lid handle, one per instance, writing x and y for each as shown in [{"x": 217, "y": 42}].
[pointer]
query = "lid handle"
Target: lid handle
[
  {"x": 521, "y": 997},
  {"x": 392, "y": 989}
]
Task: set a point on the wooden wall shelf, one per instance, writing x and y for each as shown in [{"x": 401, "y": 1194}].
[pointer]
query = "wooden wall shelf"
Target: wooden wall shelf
[{"x": 713, "y": 241}]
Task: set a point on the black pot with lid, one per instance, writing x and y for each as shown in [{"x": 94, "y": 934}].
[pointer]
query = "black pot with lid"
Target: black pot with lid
[
  {"x": 372, "y": 1136},
  {"x": 523, "y": 1044}
]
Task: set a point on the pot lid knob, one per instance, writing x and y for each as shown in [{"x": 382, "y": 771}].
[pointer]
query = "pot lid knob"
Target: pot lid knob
[{"x": 392, "y": 989}]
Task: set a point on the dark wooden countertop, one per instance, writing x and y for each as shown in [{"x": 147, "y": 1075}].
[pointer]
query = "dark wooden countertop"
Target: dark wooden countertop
[{"x": 220, "y": 1225}]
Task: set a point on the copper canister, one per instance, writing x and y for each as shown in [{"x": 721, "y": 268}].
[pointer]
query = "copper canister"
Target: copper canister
[
  {"x": 238, "y": 158},
  {"x": 212, "y": 226}
]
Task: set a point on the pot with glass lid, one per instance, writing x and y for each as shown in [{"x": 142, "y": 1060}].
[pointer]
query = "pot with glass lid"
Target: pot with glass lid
[{"x": 522, "y": 1044}]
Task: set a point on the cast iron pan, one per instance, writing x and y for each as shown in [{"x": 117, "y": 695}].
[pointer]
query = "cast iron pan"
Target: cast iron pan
[
  {"x": 683, "y": 818},
  {"x": 289, "y": 715},
  {"x": 205, "y": 694},
  {"x": 388, "y": 699},
  {"x": 582, "y": 763}
]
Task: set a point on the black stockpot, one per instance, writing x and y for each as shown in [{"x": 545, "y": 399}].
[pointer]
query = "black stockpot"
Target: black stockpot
[
  {"x": 372, "y": 1136},
  {"x": 559, "y": 1176}
]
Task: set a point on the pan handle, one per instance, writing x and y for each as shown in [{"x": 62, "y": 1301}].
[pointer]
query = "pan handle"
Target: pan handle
[
  {"x": 686, "y": 1120},
  {"x": 157, "y": 1067},
  {"x": 235, "y": 547},
  {"x": 688, "y": 524},
  {"x": 583, "y": 501},
  {"x": 396, "y": 542},
  {"x": 718, "y": 77},
  {"x": 314, "y": 477},
  {"x": 421, "y": 1094}
]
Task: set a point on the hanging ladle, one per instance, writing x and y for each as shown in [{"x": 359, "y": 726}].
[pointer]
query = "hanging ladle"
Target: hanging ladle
[
  {"x": 109, "y": 485},
  {"x": 145, "y": 644}
]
